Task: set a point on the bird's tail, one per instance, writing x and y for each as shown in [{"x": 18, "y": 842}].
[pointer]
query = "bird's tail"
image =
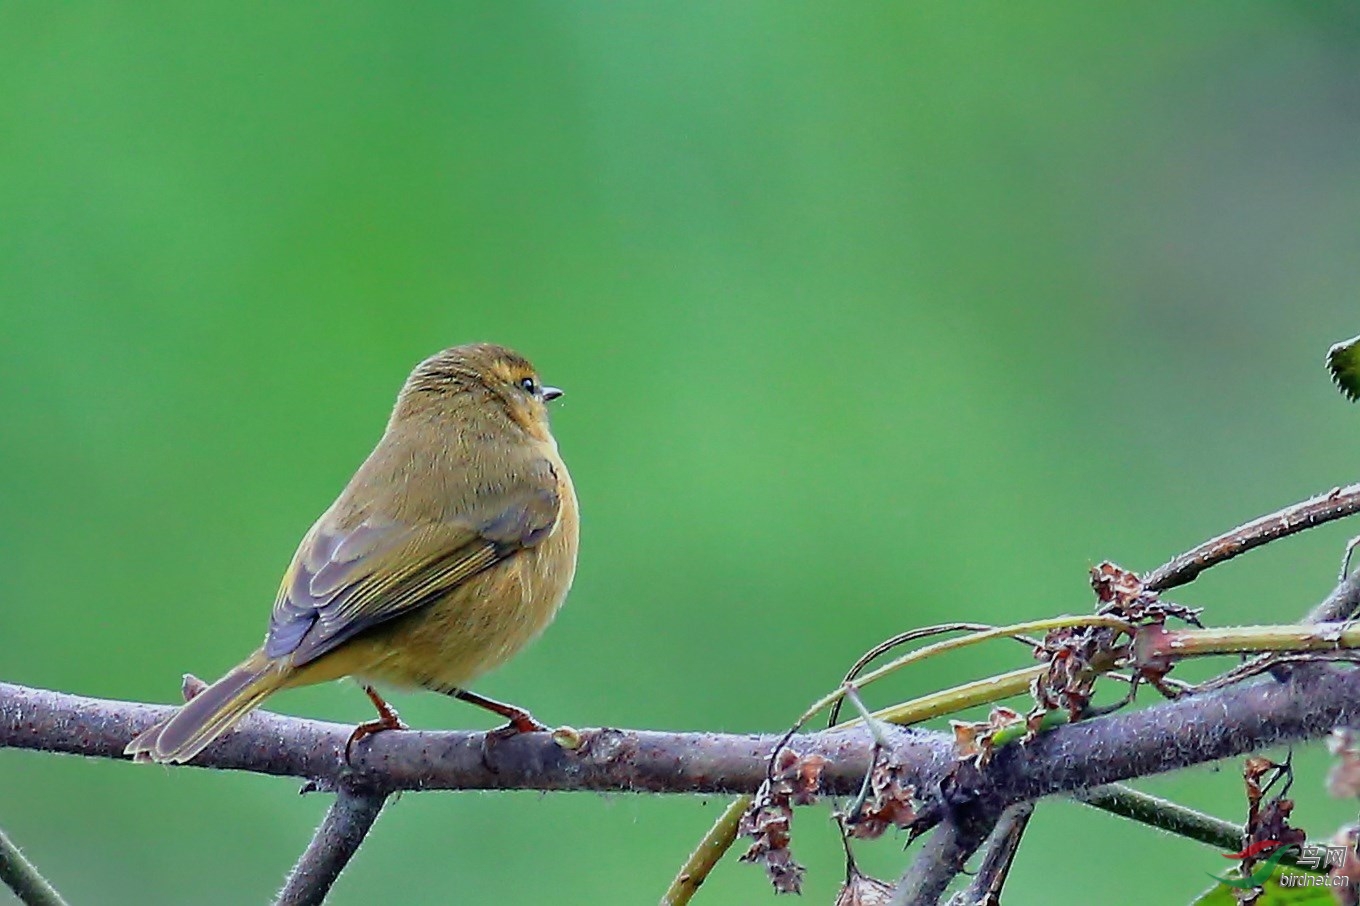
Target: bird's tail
[{"x": 211, "y": 713}]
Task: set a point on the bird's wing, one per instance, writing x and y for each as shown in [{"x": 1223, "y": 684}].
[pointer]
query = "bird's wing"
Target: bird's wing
[{"x": 342, "y": 582}]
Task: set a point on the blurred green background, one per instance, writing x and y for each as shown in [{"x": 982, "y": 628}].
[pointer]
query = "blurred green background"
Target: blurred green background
[{"x": 870, "y": 315}]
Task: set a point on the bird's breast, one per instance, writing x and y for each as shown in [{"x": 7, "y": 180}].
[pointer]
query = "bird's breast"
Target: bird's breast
[{"x": 490, "y": 617}]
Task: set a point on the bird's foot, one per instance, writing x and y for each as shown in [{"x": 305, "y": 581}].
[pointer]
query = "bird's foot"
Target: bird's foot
[
  {"x": 520, "y": 720},
  {"x": 388, "y": 719},
  {"x": 493, "y": 738}
]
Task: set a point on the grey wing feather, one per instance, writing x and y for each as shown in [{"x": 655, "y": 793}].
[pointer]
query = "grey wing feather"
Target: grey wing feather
[{"x": 343, "y": 582}]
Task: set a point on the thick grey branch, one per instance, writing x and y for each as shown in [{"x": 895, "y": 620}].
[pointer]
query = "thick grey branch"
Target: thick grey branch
[
  {"x": 1193, "y": 730},
  {"x": 1171, "y": 735},
  {"x": 607, "y": 759},
  {"x": 336, "y": 841},
  {"x": 1303, "y": 704}
]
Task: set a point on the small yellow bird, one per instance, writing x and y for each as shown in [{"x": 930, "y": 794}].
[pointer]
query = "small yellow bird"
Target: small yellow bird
[{"x": 451, "y": 548}]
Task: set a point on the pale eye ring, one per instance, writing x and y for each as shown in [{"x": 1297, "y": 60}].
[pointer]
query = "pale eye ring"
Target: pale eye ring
[{"x": 529, "y": 386}]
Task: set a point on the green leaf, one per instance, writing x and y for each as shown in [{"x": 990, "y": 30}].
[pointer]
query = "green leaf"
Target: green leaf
[
  {"x": 1275, "y": 894},
  {"x": 1343, "y": 361}
]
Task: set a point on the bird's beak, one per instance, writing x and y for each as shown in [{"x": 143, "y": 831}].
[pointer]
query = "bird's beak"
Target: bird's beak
[{"x": 550, "y": 394}]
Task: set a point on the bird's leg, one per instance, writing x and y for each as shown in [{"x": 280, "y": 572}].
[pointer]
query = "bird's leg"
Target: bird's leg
[
  {"x": 520, "y": 720},
  {"x": 388, "y": 719}
]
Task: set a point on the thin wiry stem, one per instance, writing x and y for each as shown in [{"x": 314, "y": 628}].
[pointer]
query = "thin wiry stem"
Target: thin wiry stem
[
  {"x": 903, "y": 638},
  {"x": 1164, "y": 814},
  {"x": 1173, "y": 817}
]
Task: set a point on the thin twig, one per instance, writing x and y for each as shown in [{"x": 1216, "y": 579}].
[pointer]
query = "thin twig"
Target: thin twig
[
  {"x": 1335, "y": 504},
  {"x": 1272, "y": 662},
  {"x": 1341, "y": 604},
  {"x": 985, "y": 888},
  {"x": 1173, "y": 817},
  {"x": 986, "y": 691},
  {"x": 941, "y": 858},
  {"x": 875, "y": 726},
  {"x": 23, "y": 878},
  {"x": 335, "y": 842}
]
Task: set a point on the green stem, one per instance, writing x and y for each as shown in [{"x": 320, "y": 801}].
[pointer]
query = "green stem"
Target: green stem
[
  {"x": 1155, "y": 642},
  {"x": 707, "y": 854},
  {"x": 1170, "y": 816},
  {"x": 973, "y": 638},
  {"x": 23, "y": 878},
  {"x": 959, "y": 698}
]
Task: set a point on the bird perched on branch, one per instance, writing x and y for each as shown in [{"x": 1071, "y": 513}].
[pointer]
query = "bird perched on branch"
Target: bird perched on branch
[{"x": 449, "y": 550}]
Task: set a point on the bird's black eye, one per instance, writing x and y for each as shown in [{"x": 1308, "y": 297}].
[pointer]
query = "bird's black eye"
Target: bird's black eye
[{"x": 529, "y": 386}]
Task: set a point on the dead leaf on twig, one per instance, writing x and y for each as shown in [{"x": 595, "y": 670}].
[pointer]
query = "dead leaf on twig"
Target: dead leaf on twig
[
  {"x": 889, "y": 801},
  {"x": 1115, "y": 585},
  {"x": 1079, "y": 656},
  {"x": 797, "y": 780},
  {"x": 1124, "y": 595},
  {"x": 807, "y": 778},
  {"x": 1259, "y": 774},
  {"x": 861, "y": 890},
  {"x": 767, "y": 823},
  {"x": 1267, "y": 828},
  {"x": 978, "y": 740},
  {"x": 1273, "y": 822}
]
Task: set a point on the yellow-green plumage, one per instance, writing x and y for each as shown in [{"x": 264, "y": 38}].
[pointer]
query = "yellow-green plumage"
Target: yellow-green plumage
[{"x": 451, "y": 548}]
